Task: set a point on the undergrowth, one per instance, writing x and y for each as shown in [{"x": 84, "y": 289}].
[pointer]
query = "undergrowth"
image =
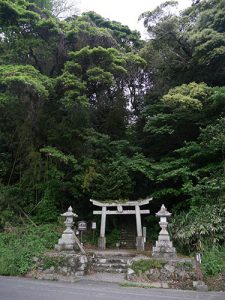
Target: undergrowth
[
  {"x": 144, "y": 265},
  {"x": 213, "y": 261},
  {"x": 18, "y": 247}
]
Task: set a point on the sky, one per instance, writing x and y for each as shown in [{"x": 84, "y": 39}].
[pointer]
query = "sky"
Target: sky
[{"x": 124, "y": 11}]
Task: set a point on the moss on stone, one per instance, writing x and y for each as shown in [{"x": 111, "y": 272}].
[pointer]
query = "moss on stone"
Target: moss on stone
[
  {"x": 48, "y": 262},
  {"x": 144, "y": 265}
]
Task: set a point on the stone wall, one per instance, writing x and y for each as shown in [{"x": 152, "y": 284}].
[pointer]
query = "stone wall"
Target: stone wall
[
  {"x": 69, "y": 266},
  {"x": 176, "y": 273},
  {"x": 56, "y": 265}
]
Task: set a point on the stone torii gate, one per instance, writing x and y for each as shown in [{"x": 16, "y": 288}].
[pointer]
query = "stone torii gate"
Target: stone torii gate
[{"x": 121, "y": 211}]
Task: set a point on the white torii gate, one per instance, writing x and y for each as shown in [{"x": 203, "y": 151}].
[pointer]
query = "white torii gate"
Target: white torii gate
[{"x": 120, "y": 211}]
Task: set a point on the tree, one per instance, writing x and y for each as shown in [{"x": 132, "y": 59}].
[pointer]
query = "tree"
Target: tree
[
  {"x": 43, "y": 4},
  {"x": 126, "y": 38},
  {"x": 186, "y": 47},
  {"x": 87, "y": 109},
  {"x": 104, "y": 73}
]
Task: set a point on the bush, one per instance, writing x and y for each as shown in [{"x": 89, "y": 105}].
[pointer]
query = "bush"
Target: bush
[
  {"x": 17, "y": 248},
  {"x": 198, "y": 227},
  {"x": 113, "y": 237},
  {"x": 213, "y": 261}
]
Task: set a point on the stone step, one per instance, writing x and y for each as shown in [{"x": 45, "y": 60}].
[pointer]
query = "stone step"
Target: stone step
[
  {"x": 114, "y": 261},
  {"x": 111, "y": 260},
  {"x": 127, "y": 245},
  {"x": 127, "y": 238},
  {"x": 110, "y": 265},
  {"x": 125, "y": 233},
  {"x": 114, "y": 254},
  {"x": 109, "y": 270}
]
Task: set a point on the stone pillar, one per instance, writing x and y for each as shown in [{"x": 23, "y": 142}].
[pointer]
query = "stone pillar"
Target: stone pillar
[
  {"x": 139, "y": 239},
  {"x": 102, "y": 238},
  {"x": 164, "y": 247}
]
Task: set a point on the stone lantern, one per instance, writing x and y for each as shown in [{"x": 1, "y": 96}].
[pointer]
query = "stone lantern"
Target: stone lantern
[
  {"x": 68, "y": 239},
  {"x": 164, "y": 247}
]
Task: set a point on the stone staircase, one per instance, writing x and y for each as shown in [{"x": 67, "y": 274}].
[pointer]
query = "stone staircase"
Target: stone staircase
[
  {"x": 128, "y": 237},
  {"x": 111, "y": 261}
]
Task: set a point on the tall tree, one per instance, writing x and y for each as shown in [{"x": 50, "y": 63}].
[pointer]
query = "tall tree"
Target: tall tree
[{"x": 187, "y": 47}]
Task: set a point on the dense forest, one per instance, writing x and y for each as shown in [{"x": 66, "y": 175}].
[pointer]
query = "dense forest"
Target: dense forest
[{"x": 90, "y": 110}]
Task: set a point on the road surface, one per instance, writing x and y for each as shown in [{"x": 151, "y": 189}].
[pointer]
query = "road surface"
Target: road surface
[{"x": 12, "y": 288}]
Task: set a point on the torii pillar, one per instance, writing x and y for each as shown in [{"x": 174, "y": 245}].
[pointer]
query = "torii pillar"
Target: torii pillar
[{"x": 102, "y": 238}]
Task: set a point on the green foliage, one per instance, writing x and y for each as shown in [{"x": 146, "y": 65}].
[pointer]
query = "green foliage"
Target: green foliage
[
  {"x": 127, "y": 38},
  {"x": 49, "y": 261},
  {"x": 143, "y": 265},
  {"x": 88, "y": 110},
  {"x": 7, "y": 216},
  {"x": 213, "y": 261},
  {"x": 90, "y": 237},
  {"x": 113, "y": 237},
  {"x": 190, "y": 96},
  {"x": 58, "y": 155},
  {"x": 202, "y": 225},
  {"x": 136, "y": 284},
  {"x": 17, "y": 248},
  {"x": 43, "y": 4},
  {"x": 22, "y": 80},
  {"x": 113, "y": 166},
  {"x": 46, "y": 210},
  {"x": 185, "y": 264},
  {"x": 186, "y": 47},
  {"x": 152, "y": 225}
]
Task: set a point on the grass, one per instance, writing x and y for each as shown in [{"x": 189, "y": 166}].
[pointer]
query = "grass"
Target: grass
[
  {"x": 17, "y": 248},
  {"x": 48, "y": 262},
  {"x": 185, "y": 264},
  {"x": 143, "y": 265},
  {"x": 135, "y": 284},
  {"x": 213, "y": 261}
]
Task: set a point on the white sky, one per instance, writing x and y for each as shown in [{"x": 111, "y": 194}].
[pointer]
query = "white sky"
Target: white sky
[{"x": 124, "y": 11}]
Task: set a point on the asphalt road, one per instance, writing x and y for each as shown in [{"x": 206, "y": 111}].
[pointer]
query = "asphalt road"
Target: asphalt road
[{"x": 27, "y": 289}]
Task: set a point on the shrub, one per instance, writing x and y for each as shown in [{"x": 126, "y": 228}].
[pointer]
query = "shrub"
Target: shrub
[
  {"x": 17, "y": 248},
  {"x": 213, "y": 261},
  {"x": 192, "y": 230},
  {"x": 113, "y": 237}
]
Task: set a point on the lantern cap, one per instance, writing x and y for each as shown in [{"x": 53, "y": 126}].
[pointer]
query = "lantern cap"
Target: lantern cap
[
  {"x": 163, "y": 212},
  {"x": 69, "y": 213}
]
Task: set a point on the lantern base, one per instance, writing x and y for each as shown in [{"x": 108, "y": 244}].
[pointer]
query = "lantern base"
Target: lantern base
[
  {"x": 164, "y": 249},
  {"x": 66, "y": 242}
]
